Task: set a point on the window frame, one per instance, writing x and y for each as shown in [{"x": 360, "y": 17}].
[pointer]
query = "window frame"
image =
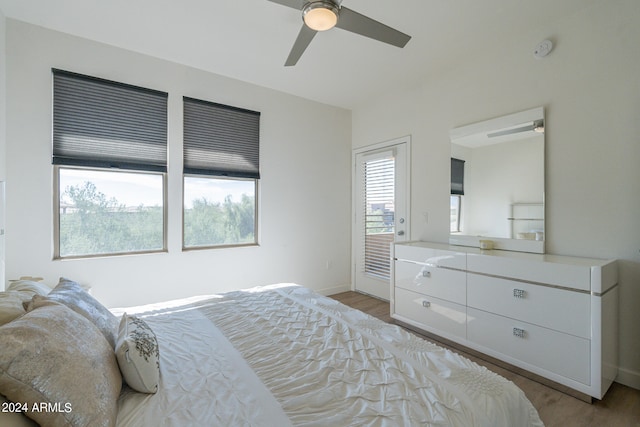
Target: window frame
[
  {"x": 56, "y": 212},
  {"x": 256, "y": 227},
  {"x": 220, "y": 142},
  {"x": 107, "y": 126}
]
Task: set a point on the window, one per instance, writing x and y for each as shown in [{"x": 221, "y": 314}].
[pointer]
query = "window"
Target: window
[
  {"x": 457, "y": 191},
  {"x": 109, "y": 212},
  {"x": 456, "y": 201},
  {"x": 378, "y": 174},
  {"x": 109, "y": 156},
  {"x": 457, "y": 176},
  {"x": 219, "y": 211},
  {"x": 221, "y": 173}
]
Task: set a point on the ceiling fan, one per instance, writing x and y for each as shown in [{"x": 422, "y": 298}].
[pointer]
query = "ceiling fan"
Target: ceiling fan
[
  {"x": 536, "y": 126},
  {"x": 326, "y": 14}
]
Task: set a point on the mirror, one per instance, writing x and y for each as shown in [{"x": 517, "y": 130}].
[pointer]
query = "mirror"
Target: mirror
[{"x": 497, "y": 198}]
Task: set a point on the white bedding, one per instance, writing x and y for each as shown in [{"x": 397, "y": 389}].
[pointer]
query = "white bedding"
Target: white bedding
[{"x": 283, "y": 355}]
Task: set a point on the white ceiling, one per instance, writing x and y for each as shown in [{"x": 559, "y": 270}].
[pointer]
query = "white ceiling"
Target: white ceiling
[{"x": 250, "y": 39}]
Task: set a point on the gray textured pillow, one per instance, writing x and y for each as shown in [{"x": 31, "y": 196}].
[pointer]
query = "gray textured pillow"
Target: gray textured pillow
[
  {"x": 73, "y": 296},
  {"x": 55, "y": 357},
  {"x": 11, "y": 417},
  {"x": 11, "y": 305}
]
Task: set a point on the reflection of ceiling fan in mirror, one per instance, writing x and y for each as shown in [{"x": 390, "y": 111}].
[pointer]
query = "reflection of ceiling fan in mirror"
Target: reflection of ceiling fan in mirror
[
  {"x": 536, "y": 126},
  {"x": 324, "y": 15}
]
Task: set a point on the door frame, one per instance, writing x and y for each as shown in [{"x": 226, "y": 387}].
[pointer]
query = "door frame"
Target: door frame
[{"x": 372, "y": 148}]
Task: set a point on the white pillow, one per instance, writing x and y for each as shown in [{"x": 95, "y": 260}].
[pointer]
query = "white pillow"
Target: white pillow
[{"x": 138, "y": 355}]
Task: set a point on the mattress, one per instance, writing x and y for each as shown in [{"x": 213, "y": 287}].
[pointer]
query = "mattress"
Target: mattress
[{"x": 283, "y": 355}]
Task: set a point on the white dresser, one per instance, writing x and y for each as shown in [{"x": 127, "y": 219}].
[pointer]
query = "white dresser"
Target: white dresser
[{"x": 555, "y": 316}]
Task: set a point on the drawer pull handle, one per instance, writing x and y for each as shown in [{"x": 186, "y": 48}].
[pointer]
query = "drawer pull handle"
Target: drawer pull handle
[
  {"x": 426, "y": 304},
  {"x": 520, "y": 333},
  {"x": 519, "y": 293},
  {"x": 426, "y": 273}
]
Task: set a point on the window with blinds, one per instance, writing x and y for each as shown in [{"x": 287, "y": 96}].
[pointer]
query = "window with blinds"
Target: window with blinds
[
  {"x": 221, "y": 172},
  {"x": 457, "y": 176},
  {"x": 221, "y": 140},
  {"x": 102, "y": 123},
  {"x": 110, "y": 162},
  {"x": 379, "y": 215},
  {"x": 457, "y": 191}
]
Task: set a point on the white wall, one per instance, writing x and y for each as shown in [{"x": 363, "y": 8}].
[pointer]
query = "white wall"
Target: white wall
[
  {"x": 496, "y": 176},
  {"x": 589, "y": 86},
  {"x": 3, "y": 73},
  {"x": 304, "y": 191}
]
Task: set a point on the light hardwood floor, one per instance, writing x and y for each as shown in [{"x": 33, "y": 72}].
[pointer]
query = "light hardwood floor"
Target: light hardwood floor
[{"x": 620, "y": 407}]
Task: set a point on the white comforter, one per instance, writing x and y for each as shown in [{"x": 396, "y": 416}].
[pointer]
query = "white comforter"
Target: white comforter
[{"x": 283, "y": 355}]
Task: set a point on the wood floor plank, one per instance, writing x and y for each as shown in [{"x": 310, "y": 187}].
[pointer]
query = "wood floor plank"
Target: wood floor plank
[{"x": 620, "y": 407}]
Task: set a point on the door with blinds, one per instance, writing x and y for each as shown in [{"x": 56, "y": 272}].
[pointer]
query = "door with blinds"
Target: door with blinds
[{"x": 381, "y": 214}]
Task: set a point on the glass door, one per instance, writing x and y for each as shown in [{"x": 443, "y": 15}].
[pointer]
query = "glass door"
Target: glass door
[{"x": 380, "y": 215}]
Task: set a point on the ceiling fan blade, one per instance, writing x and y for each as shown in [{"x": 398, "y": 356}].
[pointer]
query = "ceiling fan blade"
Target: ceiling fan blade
[
  {"x": 305, "y": 36},
  {"x": 357, "y": 23},
  {"x": 296, "y": 4},
  {"x": 526, "y": 128}
]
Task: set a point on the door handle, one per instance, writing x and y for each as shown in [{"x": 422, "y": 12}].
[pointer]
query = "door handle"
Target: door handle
[{"x": 400, "y": 233}]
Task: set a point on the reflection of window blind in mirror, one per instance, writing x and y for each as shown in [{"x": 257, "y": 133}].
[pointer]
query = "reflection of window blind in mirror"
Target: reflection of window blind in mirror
[{"x": 457, "y": 176}]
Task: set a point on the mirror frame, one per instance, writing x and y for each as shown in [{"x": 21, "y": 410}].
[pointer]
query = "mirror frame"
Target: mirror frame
[{"x": 519, "y": 245}]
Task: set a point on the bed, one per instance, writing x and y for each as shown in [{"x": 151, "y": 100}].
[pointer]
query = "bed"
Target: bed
[{"x": 277, "y": 355}]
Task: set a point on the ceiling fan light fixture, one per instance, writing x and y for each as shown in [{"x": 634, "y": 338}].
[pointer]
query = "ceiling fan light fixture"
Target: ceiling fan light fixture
[
  {"x": 320, "y": 15},
  {"x": 538, "y": 126}
]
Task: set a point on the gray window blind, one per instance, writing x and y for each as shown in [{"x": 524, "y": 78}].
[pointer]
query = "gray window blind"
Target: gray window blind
[
  {"x": 457, "y": 176},
  {"x": 101, "y": 123},
  {"x": 221, "y": 140}
]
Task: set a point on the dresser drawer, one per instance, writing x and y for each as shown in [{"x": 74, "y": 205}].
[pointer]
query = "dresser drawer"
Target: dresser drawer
[
  {"x": 435, "y": 314},
  {"x": 533, "y": 268},
  {"x": 432, "y": 257},
  {"x": 563, "y": 354},
  {"x": 558, "y": 309},
  {"x": 439, "y": 282}
]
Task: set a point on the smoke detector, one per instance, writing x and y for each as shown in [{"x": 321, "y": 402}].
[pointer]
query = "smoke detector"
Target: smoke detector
[{"x": 543, "y": 49}]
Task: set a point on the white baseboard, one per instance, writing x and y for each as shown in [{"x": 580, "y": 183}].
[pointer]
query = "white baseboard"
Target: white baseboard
[
  {"x": 333, "y": 290},
  {"x": 629, "y": 378}
]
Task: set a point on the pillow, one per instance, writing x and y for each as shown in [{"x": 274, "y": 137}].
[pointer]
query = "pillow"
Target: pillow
[
  {"x": 11, "y": 305},
  {"x": 73, "y": 296},
  {"x": 138, "y": 355},
  {"x": 57, "y": 361},
  {"x": 36, "y": 288},
  {"x": 10, "y": 415},
  {"x": 18, "y": 292}
]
